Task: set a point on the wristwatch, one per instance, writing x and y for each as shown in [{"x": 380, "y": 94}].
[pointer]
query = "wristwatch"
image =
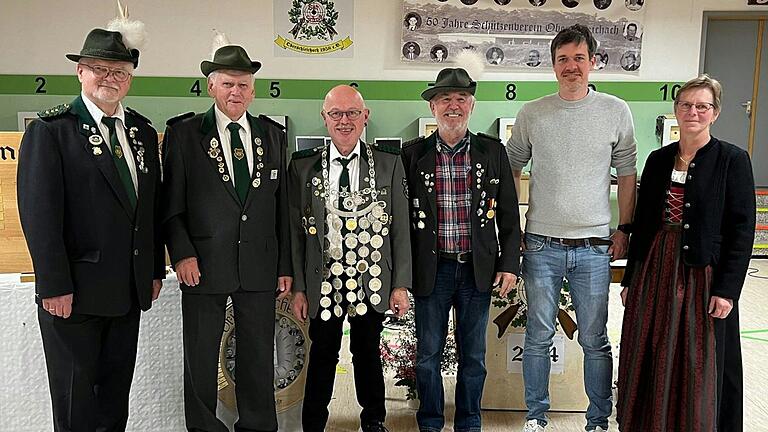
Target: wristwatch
[{"x": 625, "y": 228}]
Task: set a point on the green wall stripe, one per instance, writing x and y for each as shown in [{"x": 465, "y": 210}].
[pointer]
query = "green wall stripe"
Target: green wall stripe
[{"x": 316, "y": 89}]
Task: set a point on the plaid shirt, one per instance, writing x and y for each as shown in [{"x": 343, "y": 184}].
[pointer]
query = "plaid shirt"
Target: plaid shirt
[{"x": 453, "y": 187}]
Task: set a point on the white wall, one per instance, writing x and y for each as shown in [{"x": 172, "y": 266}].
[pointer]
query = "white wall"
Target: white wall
[{"x": 36, "y": 34}]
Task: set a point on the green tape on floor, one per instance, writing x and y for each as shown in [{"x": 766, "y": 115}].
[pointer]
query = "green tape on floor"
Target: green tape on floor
[{"x": 754, "y": 338}]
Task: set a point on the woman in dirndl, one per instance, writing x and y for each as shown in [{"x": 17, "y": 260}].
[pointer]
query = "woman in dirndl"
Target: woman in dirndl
[{"x": 693, "y": 232}]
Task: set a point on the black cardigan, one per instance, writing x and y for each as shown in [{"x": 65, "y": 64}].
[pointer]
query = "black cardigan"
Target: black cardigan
[{"x": 718, "y": 214}]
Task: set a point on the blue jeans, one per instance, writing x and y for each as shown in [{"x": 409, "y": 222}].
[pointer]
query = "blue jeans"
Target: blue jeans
[
  {"x": 587, "y": 268},
  {"x": 454, "y": 286}
]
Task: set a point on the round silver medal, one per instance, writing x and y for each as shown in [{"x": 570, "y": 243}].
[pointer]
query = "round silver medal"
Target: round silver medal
[
  {"x": 377, "y": 241},
  {"x": 337, "y": 284},
  {"x": 338, "y": 311},
  {"x": 376, "y": 256},
  {"x": 325, "y": 315},
  {"x": 377, "y": 226},
  {"x": 364, "y": 237},
  {"x": 361, "y": 308},
  {"x": 325, "y": 302},
  {"x": 374, "y": 299},
  {"x": 337, "y": 269},
  {"x": 363, "y": 251},
  {"x": 325, "y": 288},
  {"x": 336, "y": 253},
  {"x": 351, "y": 284},
  {"x": 364, "y": 223},
  {"x": 351, "y": 271},
  {"x": 374, "y": 284},
  {"x": 374, "y": 270},
  {"x": 350, "y": 241},
  {"x": 351, "y": 296}
]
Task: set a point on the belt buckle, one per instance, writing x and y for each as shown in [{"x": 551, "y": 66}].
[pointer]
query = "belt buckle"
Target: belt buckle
[{"x": 462, "y": 257}]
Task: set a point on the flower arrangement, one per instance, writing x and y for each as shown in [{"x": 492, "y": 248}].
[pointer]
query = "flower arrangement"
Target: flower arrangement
[{"x": 398, "y": 353}]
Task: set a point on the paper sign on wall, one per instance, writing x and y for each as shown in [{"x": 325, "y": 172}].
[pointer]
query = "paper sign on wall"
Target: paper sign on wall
[{"x": 515, "y": 344}]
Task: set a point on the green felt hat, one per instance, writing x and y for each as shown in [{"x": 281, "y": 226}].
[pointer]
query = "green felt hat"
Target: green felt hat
[
  {"x": 230, "y": 57},
  {"x": 448, "y": 80},
  {"x": 106, "y": 45}
]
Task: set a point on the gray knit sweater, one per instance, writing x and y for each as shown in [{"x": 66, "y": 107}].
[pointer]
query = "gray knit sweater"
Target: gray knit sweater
[{"x": 572, "y": 146}]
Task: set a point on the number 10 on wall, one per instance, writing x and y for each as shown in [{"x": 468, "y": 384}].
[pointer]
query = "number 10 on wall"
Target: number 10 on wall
[{"x": 515, "y": 344}]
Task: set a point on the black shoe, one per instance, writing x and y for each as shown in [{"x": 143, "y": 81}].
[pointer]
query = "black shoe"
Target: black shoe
[{"x": 374, "y": 427}]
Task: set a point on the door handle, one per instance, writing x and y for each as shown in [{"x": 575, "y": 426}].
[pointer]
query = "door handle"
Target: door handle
[{"x": 747, "y": 107}]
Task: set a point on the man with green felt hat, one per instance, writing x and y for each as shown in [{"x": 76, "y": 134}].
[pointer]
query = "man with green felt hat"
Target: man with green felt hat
[
  {"x": 88, "y": 184},
  {"x": 465, "y": 237},
  {"x": 225, "y": 218}
]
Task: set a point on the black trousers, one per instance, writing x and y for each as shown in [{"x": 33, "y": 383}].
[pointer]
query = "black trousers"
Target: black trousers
[
  {"x": 365, "y": 336},
  {"x": 730, "y": 378},
  {"x": 90, "y": 361},
  {"x": 203, "y": 316}
]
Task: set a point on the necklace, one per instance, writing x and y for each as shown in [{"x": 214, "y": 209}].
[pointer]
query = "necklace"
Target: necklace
[{"x": 686, "y": 162}]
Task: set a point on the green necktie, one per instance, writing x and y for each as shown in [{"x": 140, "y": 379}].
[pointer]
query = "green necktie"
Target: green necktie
[
  {"x": 344, "y": 178},
  {"x": 239, "y": 162},
  {"x": 119, "y": 158}
]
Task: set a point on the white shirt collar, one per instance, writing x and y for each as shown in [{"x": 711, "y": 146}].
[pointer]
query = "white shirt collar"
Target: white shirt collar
[
  {"x": 334, "y": 153},
  {"x": 98, "y": 114},
  {"x": 222, "y": 121}
]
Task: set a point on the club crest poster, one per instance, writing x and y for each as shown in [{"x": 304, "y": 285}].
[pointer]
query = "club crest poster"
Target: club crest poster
[
  {"x": 516, "y": 34},
  {"x": 316, "y": 28}
]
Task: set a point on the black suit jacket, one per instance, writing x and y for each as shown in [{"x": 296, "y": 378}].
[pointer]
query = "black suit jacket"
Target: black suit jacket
[
  {"x": 307, "y": 248},
  {"x": 491, "y": 253},
  {"x": 236, "y": 245},
  {"x": 81, "y": 231},
  {"x": 719, "y": 213}
]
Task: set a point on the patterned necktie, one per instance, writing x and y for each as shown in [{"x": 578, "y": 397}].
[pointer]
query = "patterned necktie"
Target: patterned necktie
[
  {"x": 239, "y": 162},
  {"x": 344, "y": 179},
  {"x": 119, "y": 158}
]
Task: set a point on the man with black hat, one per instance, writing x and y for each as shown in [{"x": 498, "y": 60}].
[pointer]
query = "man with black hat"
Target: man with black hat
[
  {"x": 465, "y": 241},
  {"x": 226, "y": 224},
  {"x": 88, "y": 184}
]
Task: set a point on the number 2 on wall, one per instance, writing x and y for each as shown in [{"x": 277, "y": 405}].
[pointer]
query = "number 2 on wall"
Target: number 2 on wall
[{"x": 41, "y": 85}]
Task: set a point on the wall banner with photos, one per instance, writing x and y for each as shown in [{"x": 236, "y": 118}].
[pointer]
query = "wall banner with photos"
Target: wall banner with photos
[
  {"x": 516, "y": 34},
  {"x": 322, "y": 28}
]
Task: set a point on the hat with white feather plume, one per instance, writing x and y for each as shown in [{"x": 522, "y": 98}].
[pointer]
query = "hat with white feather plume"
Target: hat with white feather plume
[
  {"x": 120, "y": 41},
  {"x": 226, "y": 56}
]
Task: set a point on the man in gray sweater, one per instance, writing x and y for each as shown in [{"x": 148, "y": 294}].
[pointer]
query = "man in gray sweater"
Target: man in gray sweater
[{"x": 573, "y": 139}]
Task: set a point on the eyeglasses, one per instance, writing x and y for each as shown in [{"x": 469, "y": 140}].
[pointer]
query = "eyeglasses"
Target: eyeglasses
[
  {"x": 351, "y": 114},
  {"x": 701, "y": 107},
  {"x": 120, "y": 75}
]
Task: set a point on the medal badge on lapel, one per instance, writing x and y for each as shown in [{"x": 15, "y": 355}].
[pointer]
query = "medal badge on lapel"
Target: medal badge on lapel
[
  {"x": 214, "y": 152},
  {"x": 138, "y": 148},
  {"x": 95, "y": 141},
  {"x": 259, "y": 150}
]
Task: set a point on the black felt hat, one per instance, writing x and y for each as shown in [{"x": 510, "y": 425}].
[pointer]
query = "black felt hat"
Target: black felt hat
[
  {"x": 448, "y": 80},
  {"x": 106, "y": 45},
  {"x": 230, "y": 57}
]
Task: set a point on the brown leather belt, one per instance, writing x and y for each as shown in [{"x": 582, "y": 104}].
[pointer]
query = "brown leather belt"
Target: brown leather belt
[
  {"x": 586, "y": 242},
  {"x": 459, "y": 257}
]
